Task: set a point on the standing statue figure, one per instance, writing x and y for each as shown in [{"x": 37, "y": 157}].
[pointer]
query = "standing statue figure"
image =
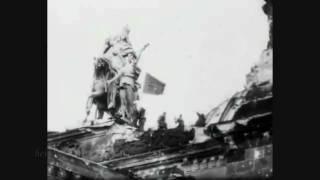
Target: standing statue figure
[
  {"x": 115, "y": 81},
  {"x": 128, "y": 76},
  {"x": 114, "y": 46},
  {"x": 120, "y": 39}
]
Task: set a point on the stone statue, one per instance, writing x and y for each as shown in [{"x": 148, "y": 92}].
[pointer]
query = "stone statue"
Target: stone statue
[
  {"x": 128, "y": 76},
  {"x": 101, "y": 94},
  {"x": 115, "y": 84}
]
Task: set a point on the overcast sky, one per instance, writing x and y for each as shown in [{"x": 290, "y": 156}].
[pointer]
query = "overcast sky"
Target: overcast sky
[{"x": 202, "y": 50}]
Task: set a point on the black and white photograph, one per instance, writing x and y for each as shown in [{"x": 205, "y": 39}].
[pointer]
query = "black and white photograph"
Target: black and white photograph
[{"x": 159, "y": 89}]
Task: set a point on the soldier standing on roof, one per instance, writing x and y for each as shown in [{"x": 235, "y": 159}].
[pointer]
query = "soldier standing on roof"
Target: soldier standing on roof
[
  {"x": 201, "y": 122},
  {"x": 141, "y": 119},
  {"x": 180, "y": 123},
  {"x": 162, "y": 125}
]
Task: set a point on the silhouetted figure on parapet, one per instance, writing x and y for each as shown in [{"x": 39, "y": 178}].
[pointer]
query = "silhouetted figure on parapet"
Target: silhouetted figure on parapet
[
  {"x": 162, "y": 124},
  {"x": 139, "y": 119},
  {"x": 201, "y": 122},
  {"x": 180, "y": 123}
]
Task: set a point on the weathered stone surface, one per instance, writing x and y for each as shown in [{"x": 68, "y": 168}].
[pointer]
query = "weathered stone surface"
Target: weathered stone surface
[{"x": 80, "y": 166}]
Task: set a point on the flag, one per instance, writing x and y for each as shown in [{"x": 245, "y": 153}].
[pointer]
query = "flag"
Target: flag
[{"x": 153, "y": 85}]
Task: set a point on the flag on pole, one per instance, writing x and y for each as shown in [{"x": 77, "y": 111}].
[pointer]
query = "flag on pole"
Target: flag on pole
[{"x": 153, "y": 85}]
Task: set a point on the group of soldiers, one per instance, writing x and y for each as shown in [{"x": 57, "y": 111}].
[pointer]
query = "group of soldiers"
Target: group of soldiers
[
  {"x": 162, "y": 124},
  {"x": 114, "y": 89}
]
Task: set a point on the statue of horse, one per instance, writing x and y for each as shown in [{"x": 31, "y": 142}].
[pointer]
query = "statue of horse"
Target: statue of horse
[
  {"x": 103, "y": 96},
  {"x": 117, "y": 64}
]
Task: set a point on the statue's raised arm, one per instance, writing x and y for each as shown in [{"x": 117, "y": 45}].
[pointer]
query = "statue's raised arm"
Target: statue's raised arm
[{"x": 139, "y": 53}]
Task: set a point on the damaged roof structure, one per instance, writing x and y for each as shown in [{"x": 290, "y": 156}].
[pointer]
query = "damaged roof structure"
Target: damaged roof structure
[{"x": 234, "y": 142}]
